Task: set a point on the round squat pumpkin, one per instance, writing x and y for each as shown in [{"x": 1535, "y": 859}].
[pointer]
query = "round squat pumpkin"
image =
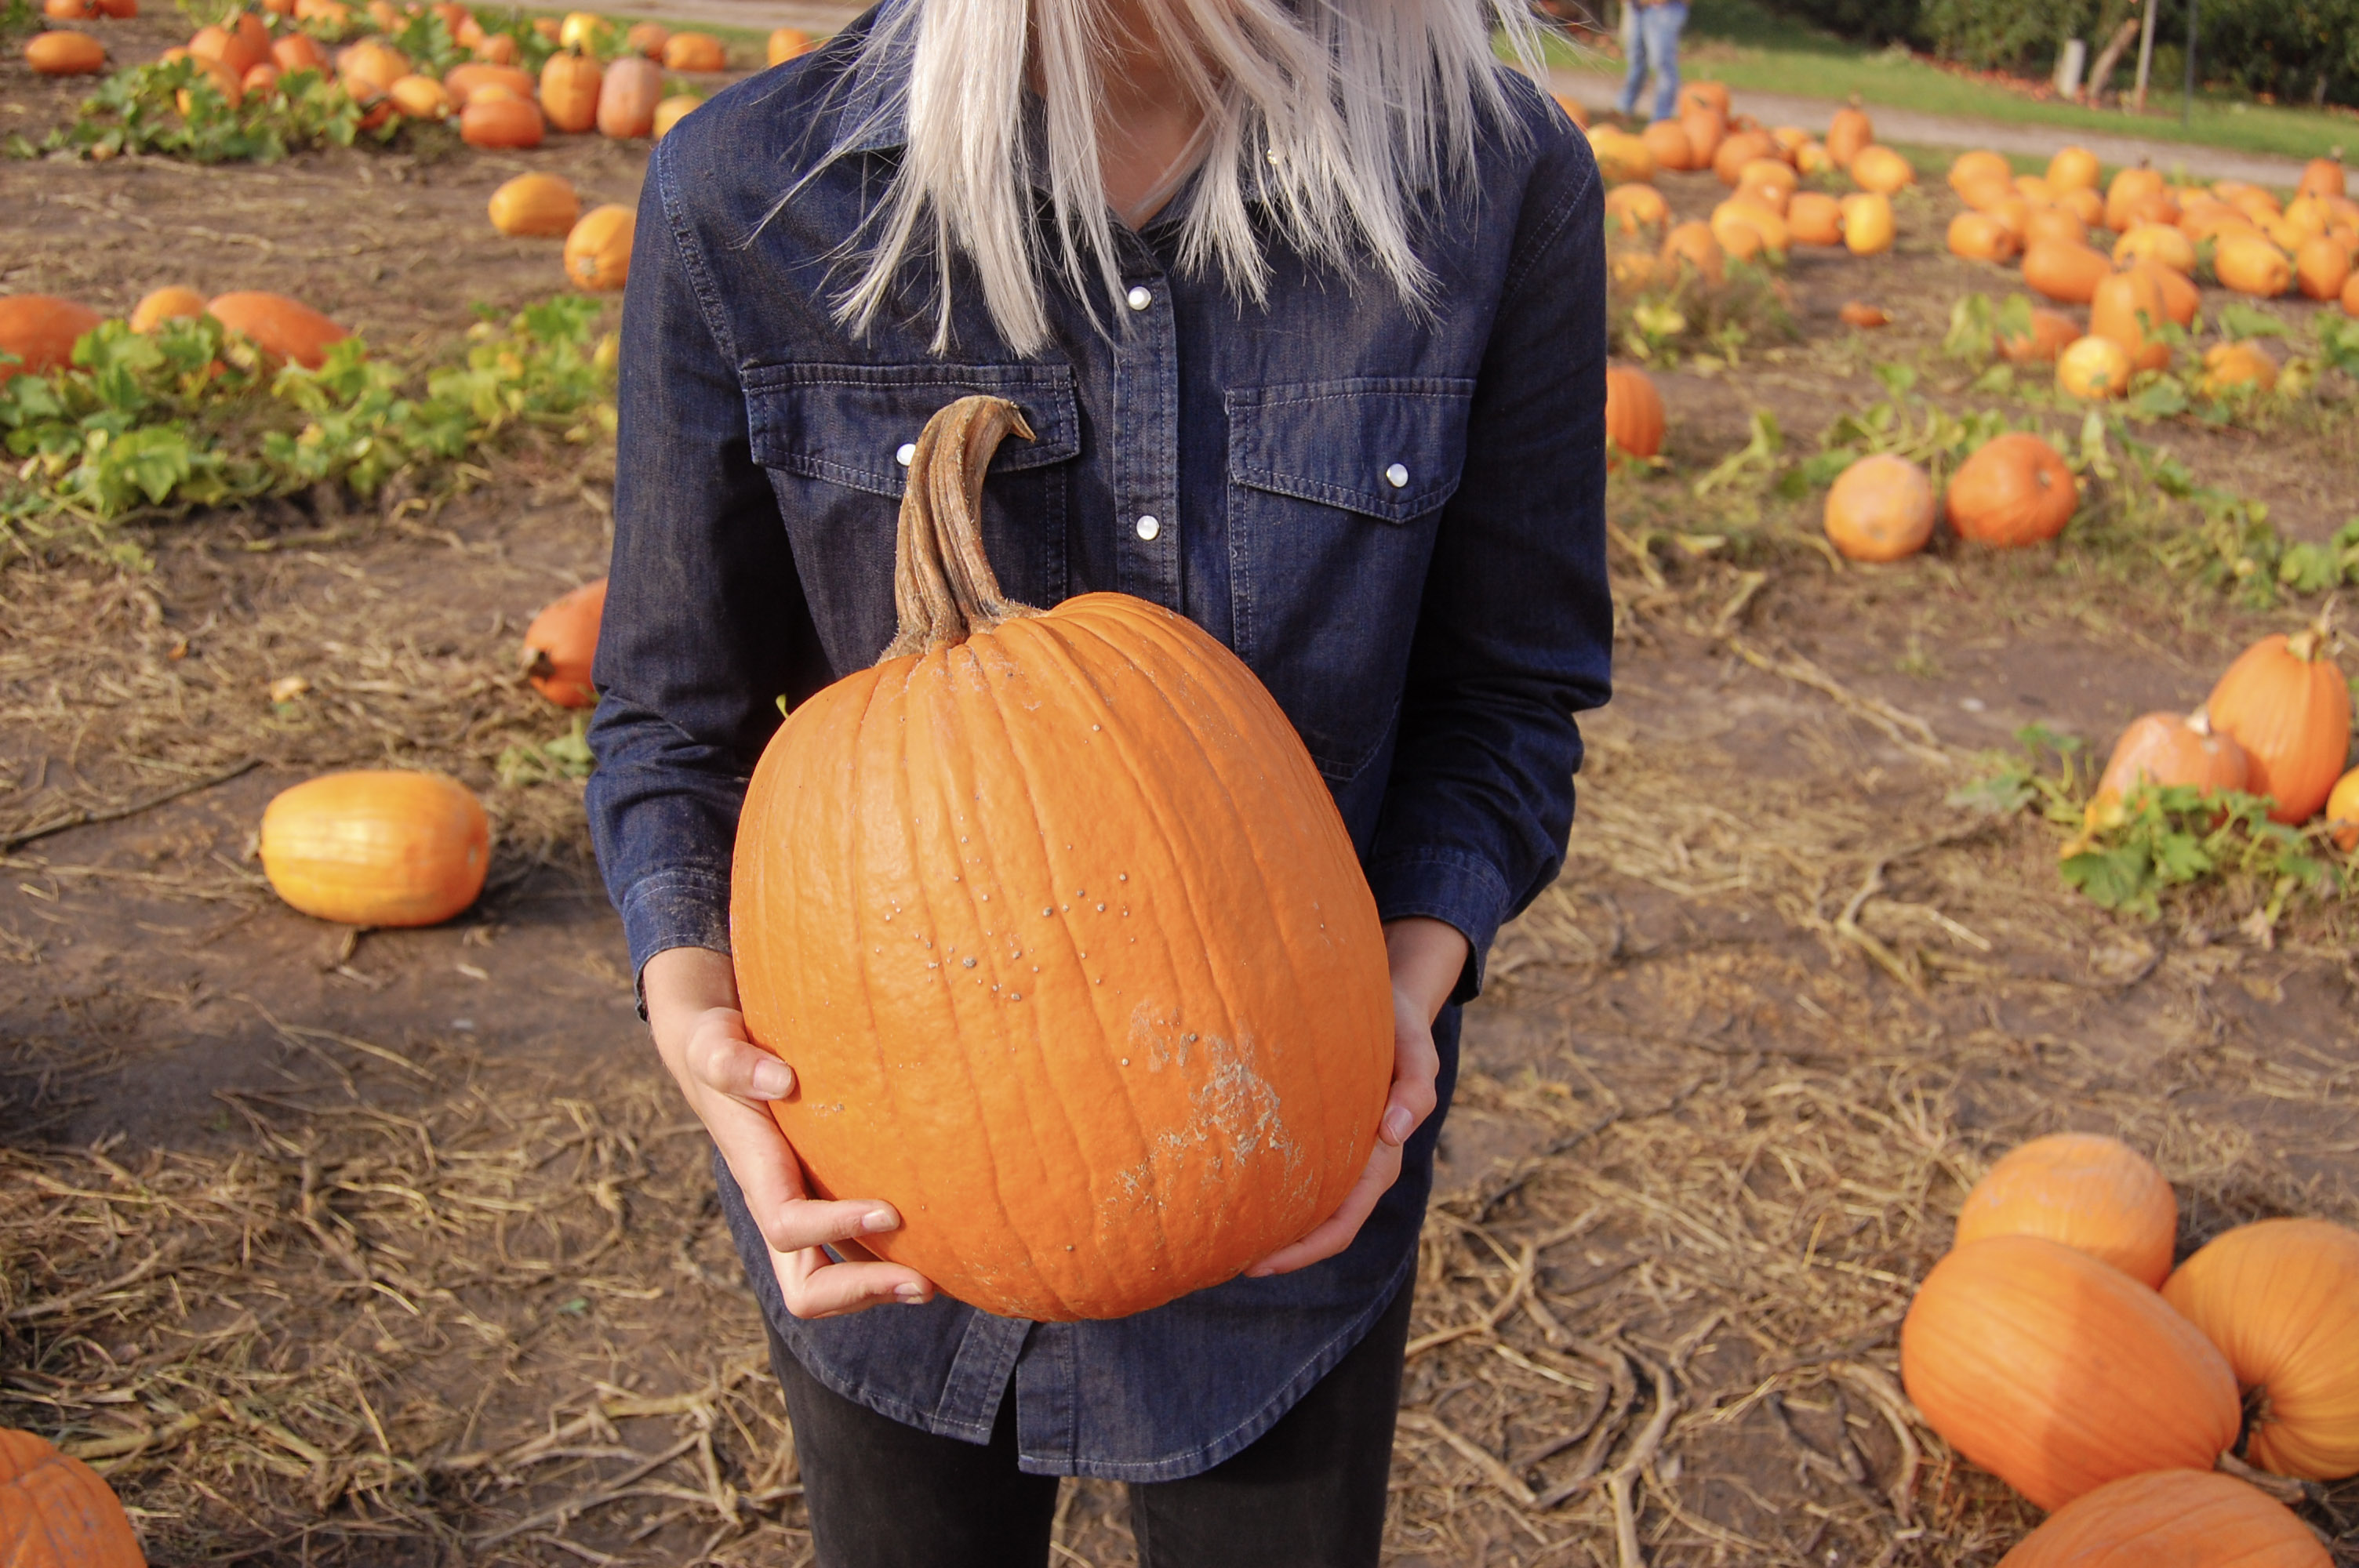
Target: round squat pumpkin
[
  {"x": 2058, "y": 1373},
  {"x": 2094, "y": 1193},
  {"x": 1634, "y": 412},
  {"x": 281, "y": 328},
  {"x": 2163, "y": 750},
  {"x": 170, "y": 303},
  {"x": 786, "y": 44},
  {"x": 55, "y": 1512},
  {"x": 376, "y": 846},
  {"x": 2286, "y": 702},
  {"x": 561, "y": 643},
  {"x": 1061, "y": 931},
  {"x": 536, "y": 206},
  {"x": 2015, "y": 490},
  {"x": 2093, "y": 369},
  {"x": 1882, "y": 171},
  {"x": 2281, "y": 1300},
  {"x": 1815, "y": 218},
  {"x": 39, "y": 329},
  {"x": 694, "y": 51},
  {"x": 1880, "y": 509},
  {"x": 2171, "y": 1519},
  {"x": 598, "y": 249}
]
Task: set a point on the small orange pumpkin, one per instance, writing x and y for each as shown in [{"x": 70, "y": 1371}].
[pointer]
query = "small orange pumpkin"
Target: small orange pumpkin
[
  {"x": 2180, "y": 298},
  {"x": 376, "y": 846},
  {"x": 61, "y": 51},
  {"x": 790, "y": 43},
  {"x": 2091, "y": 1192},
  {"x": 2342, "y": 811},
  {"x": 1711, "y": 95},
  {"x": 1745, "y": 231},
  {"x": 2052, "y": 332},
  {"x": 1706, "y": 128},
  {"x": 2163, "y": 750},
  {"x": 694, "y": 51},
  {"x": 2072, "y": 168},
  {"x": 1979, "y": 167},
  {"x": 2128, "y": 310},
  {"x": 2251, "y": 265},
  {"x": 628, "y": 98},
  {"x": 1815, "y": 219},
  {"x": 2156, "y": 242},
  {"x": 1729, "y": 159},
  {"x": 1867, "y": 223},
  {"x": 2058, "y": 1373},
  {"x": 2280, "y": 1299},
  {"x": 2321, "y": 266},
  {"x": 560, "y": 643},
  {"x": 598, "y": 249},
  {"x": 1859, "y": 313},
  {"x": 281, "y": 328},
  {"x": 55, "y": 1511},
  {"x": 462, "y": 81},
  {"x": 2351, "y": 294},
  {"x": 1632, "y": 207},
  {"x": 672, "y": 111},
  {"x": 1850, "y": 130},
  {"x": 40, "y": 330},
  {"x": 1692, "y": 245},
  {"x": 2066, "y": 272},
  {"x": 497, "y": 48},
  {"x": 420, "y": 97},
  {"x": 2129, "y": 186},
  {"x": 2015, "y": 490},
  {"x": 1978, "y": 236},
  {"x": 569, "y": 91},
  {"x": 501, "y": 121},
  {"x": 2227, "y": 365},
  {"x": 536, "y": 206},
  {"x": 647, "y": 39},
  {"x": 2187, "y": 1518},
  {"x": 1880, "y": 509},
  {"x": 1666, "y": 141},
  {"x": 2324, "y": 176},
  {"x": 263, "y": 80},
  {"x": 70, "y": 10},
  {"x": 2055, "y": 225},
  {"x": 1634, "y": 413},
  {"x": 2286, "y": 702},
  {"x": 1882, "y": 171},
  {"x": 2093, "y": 369},
  {"x": 297, "y": 52},
  {"x": 370, "y": 66},
  {"x": 241, "y": 43},
  {"x": 173, "y": 302}
]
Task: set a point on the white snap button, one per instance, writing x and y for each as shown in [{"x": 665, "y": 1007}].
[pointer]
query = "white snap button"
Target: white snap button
[
  {"x": 908, "y": 453},
  {"x": 1396, "y": 476},
  {"x": 1140, "y": 297},
  {"x": 1148, "y": 528}
]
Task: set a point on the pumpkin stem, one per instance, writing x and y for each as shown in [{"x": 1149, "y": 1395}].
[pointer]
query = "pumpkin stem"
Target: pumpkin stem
[{"x": 943, "y": 586}]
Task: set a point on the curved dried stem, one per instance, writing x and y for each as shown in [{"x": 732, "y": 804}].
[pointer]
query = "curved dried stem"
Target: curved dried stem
[{"x": 943, "y": 588}]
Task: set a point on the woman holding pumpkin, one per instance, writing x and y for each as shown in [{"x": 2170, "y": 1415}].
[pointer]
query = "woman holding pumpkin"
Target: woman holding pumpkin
[{"x": 1303, "y": 309}]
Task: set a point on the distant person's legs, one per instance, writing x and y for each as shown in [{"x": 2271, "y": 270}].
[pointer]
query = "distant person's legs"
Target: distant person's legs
[
  {"x": 1634, "y": 41},
  {"x": 1660, "y": 27}
]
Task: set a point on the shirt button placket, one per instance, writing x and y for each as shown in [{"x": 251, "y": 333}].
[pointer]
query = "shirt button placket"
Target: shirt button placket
[{"x": 1145, "y": 440}]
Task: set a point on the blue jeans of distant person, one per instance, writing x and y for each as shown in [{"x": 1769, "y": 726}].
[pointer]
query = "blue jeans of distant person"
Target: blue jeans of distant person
[{"x": 1656, "y": 42}]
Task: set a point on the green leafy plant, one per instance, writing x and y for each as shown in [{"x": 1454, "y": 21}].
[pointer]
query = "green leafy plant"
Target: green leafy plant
[
  {"x": 1661, "y": 322},
  {"x": 138, "y": 111},
  {"x": 565, "y": 757}
]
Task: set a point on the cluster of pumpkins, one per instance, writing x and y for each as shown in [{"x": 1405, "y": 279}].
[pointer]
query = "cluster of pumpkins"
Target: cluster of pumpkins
[
  {"x": 2278, "y": 724},
  {"x": 1767, "y": 212},
  {"x": 546, "y": 206},
  {"x": 402, "y": 846},
  {"x": 2259, "y": 247},
  {"x": 2057, "y": 1347},
  {"x": 39, "y": 329}
]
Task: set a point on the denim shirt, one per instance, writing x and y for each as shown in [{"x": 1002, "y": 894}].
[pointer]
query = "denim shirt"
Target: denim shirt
[{"x": 1395, "y": 516}]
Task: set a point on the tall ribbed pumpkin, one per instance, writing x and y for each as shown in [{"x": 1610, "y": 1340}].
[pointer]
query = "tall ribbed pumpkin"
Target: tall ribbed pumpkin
[
  {"x": 56, "y": 1513},
  {"x": 2285, "y": 701},
  {"x": 1062, "y": 935}
]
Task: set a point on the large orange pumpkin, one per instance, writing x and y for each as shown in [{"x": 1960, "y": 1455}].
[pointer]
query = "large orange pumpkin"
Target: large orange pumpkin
[
  {"x": 61, "y": 51},
  {"x": 1978, "y": 236},
  {"x": 376, "y": 846},
  {"x": 569, "y": 91},
  {"x": 2128, "y": 310},
  {"x": 1880, "y": 509},
  {"x": 40, "y": 330},
  {"x": 2015, "y": 490},
  {"x": 502, "y": 121},
  {"x": 2058, "y": 1373},
  {"x": 1059, "y": 929},
  {"x": 628, "y": 98},
  {"x": 2158, "y": 242},
  {"x": 1882, "y": 171},
  {"x": 2285, "y": 701},
  {"x": 1634, "y": 412},
  {"x": 1711, "y": 95},
  {"x": 2249, "y": 264},
  {"x": 598, "y": 249},
  {"x": 370, "y": 66},
  {"x": 2171, "y": 1519},
  {"x": 1849, "y": 132},
  {"x": 561, "y": 643},
  {"x": 2321, "y": 266},
  {"x": 241, "y": 43},
  {"x": 281, "y": 328},
  {"x": 2130, "y": 186},
  {"x": 536, "y": 206},
  {"x": 1667, "y": 142},
  {"x": 55, "y": 1512},
  {"x": 2094, "y": 1193},
  {"x": 2066, "y": 272},
  {"x": 1815, "y": 219},
  {"x": 2166, "y": 749},
  {"x": 694, "y": 51},
  {"x": 1706, "y": 128},
  {"x": 2281, "y": 1300}
]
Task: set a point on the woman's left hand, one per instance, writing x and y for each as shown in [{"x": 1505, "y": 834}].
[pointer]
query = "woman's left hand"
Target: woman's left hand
[{"x": 1426, "y": 958}]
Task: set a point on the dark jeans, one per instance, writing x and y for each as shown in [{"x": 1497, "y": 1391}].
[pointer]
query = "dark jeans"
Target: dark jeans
[{"x": 1308, "y": 1493}]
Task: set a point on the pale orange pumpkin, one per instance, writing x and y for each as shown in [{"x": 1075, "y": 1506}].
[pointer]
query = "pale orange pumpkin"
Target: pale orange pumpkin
[
  {"x": 2280, "y": 1298},
  {"x": 173, "y": 302},
  {"x": 1978, "y": 236},
  {"x": 2093, "y": 369},
  {"x": 370, "y": 66},
  {"x": 786, "y": 44},
  {"x": 647, "y": 39},
  {"x": 1815, "y": 219},
  {"x": 504, "y": 121},
  {"x": 1745, "y": 231},
  {"x": 462, "y": 81},
  {"x": 2129, "y": 186},
  {"x": 2014, "y": 490},
  {"x": 2072, "y": 168},
  {"x": 1848, "y": 132},
  {"x": 1706, "y": 128},
  {"x": 2094, "y": 1193},
  {"x": 39, "y": 329},
  {"x": 2227, "y": 365},
  {"x": 629, "y": 96},
  {"x": 1620, "y": 156},
  {"x": 55, "y": 1511},
  {"x": 1634, "y": 413},
  {"x": 1692, "y": 245},
  {"x": 376, "y": 846},
  {"x": 2051, "y": 333},
  {"x": 2321, "y": 266},
  {"x": 1859, "y": 313},
  {"x": 263, "y": 80},
  {"x": 1880, "y": 509},
  {"x": 1729, "y": 159},
  {"x": 281, "y": 328},
  {"x": 694, "y": 51},
  {"x": 2056, "y": 225},
  {"x": 61, "y": 51},
  {"x": 2058, "y": 1373},
  {"x": 2158, "y": 243},
  {"x": 2250, "y": 263},
  {"x": 2065, "y": 272},
  {"x": 1977, "y": 167},
  {"x": 569, "y": 91},
  {"x": 2128, "y": 310},
  {"x": 2342, "y": 811},
  {"x": 1632, "y": 206},
  {"x": 672, "y": 111},
  {"x": 1711, "y": 95},
  {"x": 2324, "y": 176},
  {"x": 536, "y": 206},
  {"x": 1666, "y": 141},
  {"x": 2181, "y": 299},
  {"x": 2166, "y": 749},
  {"x": 598, "y": 249},
  {"x": 2182, "y": 1518},
  {"x": 1094, "y": 1063},
  {"x": 560, "y": 643},
  {"x": 420, "y": 97},
  {"x": 1867, "y": 223},
  {"x": 2285, "y": 701},
  {"x": 297, "y": 52},
  {"x": 1882, "y": 171}
]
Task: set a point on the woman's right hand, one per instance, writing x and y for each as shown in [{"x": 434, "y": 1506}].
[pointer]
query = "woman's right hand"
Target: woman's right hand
[{"x": 691, "y": 995}]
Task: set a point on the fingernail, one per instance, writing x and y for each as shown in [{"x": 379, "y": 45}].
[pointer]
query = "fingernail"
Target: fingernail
[
  {"x": 878, "y": 1219},
  {"x": 913, "y": 1294},
  {"x": 1397, "y": 1124},
  {"x": 773, "y": 1080}
]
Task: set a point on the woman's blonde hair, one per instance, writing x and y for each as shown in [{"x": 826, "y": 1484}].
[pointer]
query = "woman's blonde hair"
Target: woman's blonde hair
[{"x": 1331, "y": 114}]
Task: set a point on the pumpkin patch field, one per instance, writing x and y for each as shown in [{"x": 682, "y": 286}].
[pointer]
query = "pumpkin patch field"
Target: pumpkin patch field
[{"x": 1917, "y": 1128}]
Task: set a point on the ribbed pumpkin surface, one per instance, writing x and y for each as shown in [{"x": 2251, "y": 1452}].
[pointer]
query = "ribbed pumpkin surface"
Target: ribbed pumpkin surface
[
  {"x": 2171, "y": 1519},
  {"x": 376, "y": 846},
  {"x": 2281, "y": 1300},
  {"x": 2285, "y": 701},
  {"x": 1065, "y": 940},
  {"x": 2096, "y": 1195},
  {"x": 55, "y": 1512},
  {"x": 2058, "y": 1373}
]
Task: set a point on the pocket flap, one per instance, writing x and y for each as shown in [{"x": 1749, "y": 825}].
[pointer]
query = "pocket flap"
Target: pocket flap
[
  {"x": 846, "y": 423},
  {"x": 1386, "y": 447}
]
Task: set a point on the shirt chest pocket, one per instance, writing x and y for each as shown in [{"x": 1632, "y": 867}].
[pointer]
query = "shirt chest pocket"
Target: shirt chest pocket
[
  {"x": 1335, "y": 490},
  {"x": 835, "y": 439}
]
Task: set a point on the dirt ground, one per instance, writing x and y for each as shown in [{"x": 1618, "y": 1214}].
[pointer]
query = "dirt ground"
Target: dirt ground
[{"x": 396, "y": 1248}]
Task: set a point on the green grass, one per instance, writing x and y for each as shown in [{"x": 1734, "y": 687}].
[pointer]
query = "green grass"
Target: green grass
[{"x": 1742, "y": 43}]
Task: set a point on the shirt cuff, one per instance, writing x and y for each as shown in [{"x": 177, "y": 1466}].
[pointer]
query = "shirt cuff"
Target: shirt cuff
[
  {"x": 1462, "y": 889},
  {"x": 678, "y": 908}
]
